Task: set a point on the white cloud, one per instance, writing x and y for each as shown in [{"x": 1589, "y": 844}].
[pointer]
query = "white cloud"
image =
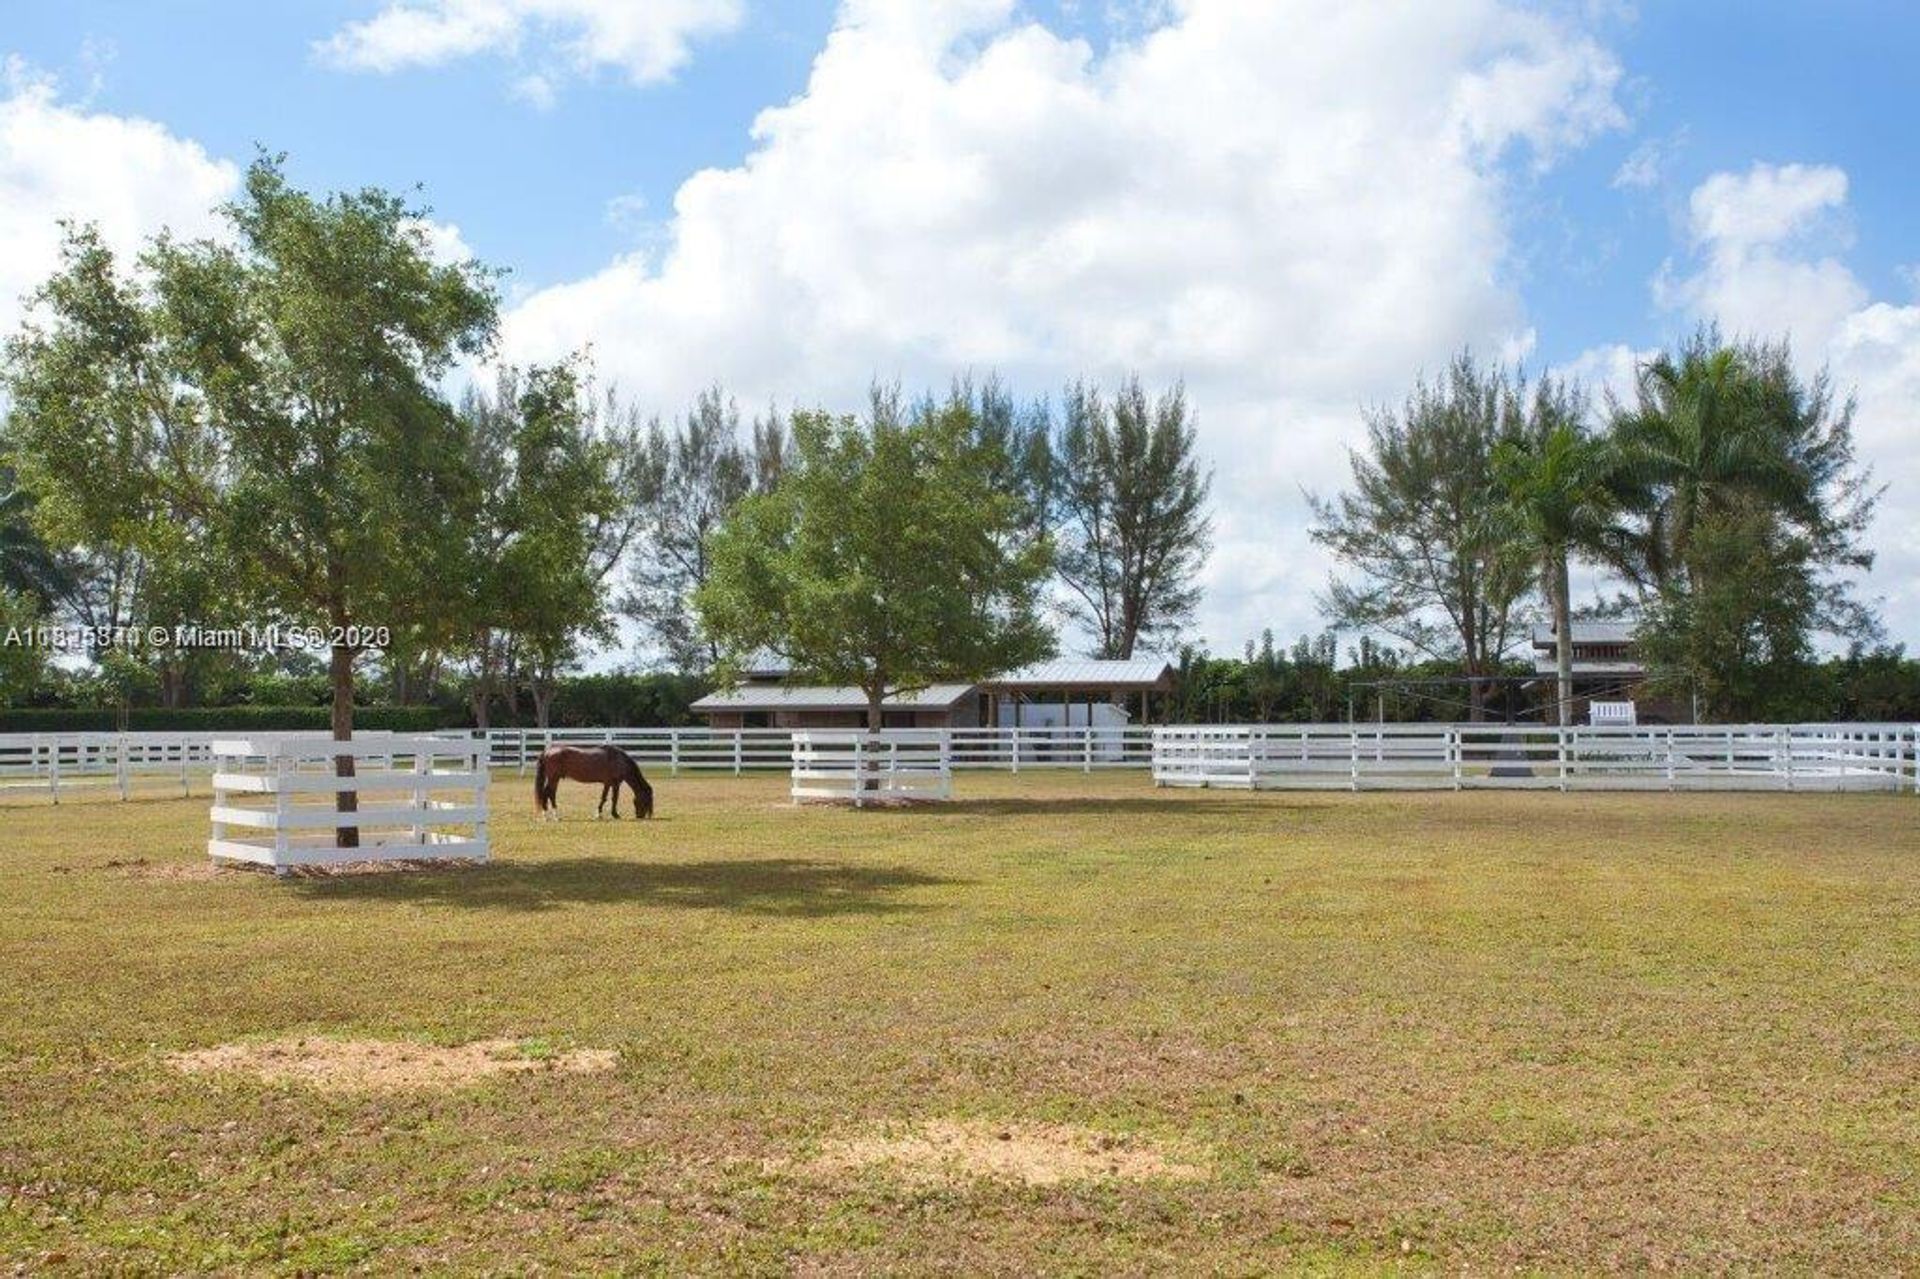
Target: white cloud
[
  {"x": 1297, "y": 208},
  {"x": 1764, "y": 270},
  {"x": 1759, "y": 236},
  {"x": 445, "y": 245},
  {"x": 131, "y": 177},
  {"x": 1646, "y": 165},
  {"x": 1605, "y": 370},
  {"x": 647, "y": 40}
]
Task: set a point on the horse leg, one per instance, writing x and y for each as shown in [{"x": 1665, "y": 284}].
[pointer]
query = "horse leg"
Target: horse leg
[
  {"x": 601, "y": 809},
  {"x": 616, "y": 801}
]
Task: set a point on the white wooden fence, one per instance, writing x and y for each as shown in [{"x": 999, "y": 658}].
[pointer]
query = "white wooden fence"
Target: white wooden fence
[
  {"x": 124, "y": 763},
  {"x": 738, "y": 750},
  {"x": 1357, "y": 756},
  {"x": 419, "y": 798},
  {"x": 1810, "y": 757},
  {"x": 872, "y": 768}
]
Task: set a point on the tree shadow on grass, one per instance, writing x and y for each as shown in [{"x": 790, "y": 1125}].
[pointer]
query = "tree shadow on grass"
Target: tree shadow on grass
[{"x": 792, "y": 887}]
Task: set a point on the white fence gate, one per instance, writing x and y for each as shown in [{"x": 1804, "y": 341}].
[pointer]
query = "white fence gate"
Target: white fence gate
[
  {"x": 872, "y": 768},
  {"x": 1810, "y": 757},
  {"x": 419, "y": 798}
]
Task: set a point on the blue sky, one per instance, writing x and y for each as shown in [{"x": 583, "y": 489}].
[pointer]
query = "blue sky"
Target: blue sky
[{"x": 1607, "y": 202}]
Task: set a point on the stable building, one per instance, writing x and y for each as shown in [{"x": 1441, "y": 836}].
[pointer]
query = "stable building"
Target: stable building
[
  {"x": 1606, "y": 668},
  {"x": 1063, "y": 693}
]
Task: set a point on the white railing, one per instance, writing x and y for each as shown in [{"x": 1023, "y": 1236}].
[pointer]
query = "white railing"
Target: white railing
[
  {"x": 851, "y": 766},
  {"x": 737, "y": 750},
  {"x": 275, "y": 800},
  {"x": 53, "y": 763},
  {"x": 1812, "y": 757},
  {"x": 1355, "y": 756}
]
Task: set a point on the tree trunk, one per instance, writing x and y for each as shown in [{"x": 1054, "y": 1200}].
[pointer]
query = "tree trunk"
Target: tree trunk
[
  {"x": 876, "y": 718},
  {"x": 543, "y": 691},
  {"x": 340, "y": 672},
  {"x": 1558, "y": 590}
]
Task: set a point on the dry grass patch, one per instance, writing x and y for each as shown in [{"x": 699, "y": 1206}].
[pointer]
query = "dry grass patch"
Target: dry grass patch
[
  {"x": 952, "y": 1150},
  {"x": 385, "y": 1065}
]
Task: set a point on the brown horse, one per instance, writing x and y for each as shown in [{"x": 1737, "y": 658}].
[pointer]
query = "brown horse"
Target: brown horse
[{"x": 608, "y": 765}]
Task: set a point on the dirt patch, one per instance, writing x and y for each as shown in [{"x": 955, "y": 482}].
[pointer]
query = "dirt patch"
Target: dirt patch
[
  {"x": 948, "y": 1150},
  {"x": 141, "y": 868},
  {"x": 400, "y": 866},
  {"x": 382, "y": 1065}
]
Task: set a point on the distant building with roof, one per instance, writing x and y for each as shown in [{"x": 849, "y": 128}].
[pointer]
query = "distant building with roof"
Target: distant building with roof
[
  {"x": 1065, "y": 692},
  {"x": 1607, "y": 667}
]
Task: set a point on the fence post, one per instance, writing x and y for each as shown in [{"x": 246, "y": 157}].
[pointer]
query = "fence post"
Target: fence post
[
  {"x": 280, "y": 812},
  {"x": 736, "y": 750},
  {"x": 120, "y": 767},
  {"x": 1560, "y": 732},
  {"x": 522, "y": 735},
  {"x": 859, "y": 771},
  {"x": 673, "y": 751},
  {"x": 1787, "y": 734},
  {"x": 1669, "y": 759},
  {"x": 1353, "y": 757},
  {"x": 1087, "y": 763},
  {"x": 419, "y": 831},
  {"x": 1013, "y": 741},
  {"x": 1453, "y": 752},
  {"x": 53, "y": 768}
]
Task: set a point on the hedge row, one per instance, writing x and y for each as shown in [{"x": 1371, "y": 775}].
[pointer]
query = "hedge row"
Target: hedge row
[{"x": 399, "y": 719}]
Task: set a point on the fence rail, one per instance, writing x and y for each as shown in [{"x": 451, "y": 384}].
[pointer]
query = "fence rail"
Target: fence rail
[
  {"x": 736, "y": 750},
  {"x": 418, "y": 798},
  {"x": 1813, "y": 757},
  {"x": 1350, "y": 756}
]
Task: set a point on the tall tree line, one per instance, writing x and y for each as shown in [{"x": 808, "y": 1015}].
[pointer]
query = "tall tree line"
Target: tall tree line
[
  {"x": 1114, "y": 485},
  {"x": 1724, "y": 493}
]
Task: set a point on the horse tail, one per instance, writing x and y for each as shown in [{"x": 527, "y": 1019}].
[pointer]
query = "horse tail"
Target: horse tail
[{"x": 540, "y": 784}]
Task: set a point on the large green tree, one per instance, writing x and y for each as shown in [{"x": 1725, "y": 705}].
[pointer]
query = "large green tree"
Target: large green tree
[
  {"x": 690, "y": 480},
  {"x": 1751, "y": 509},
  {"x": 555, "y": 514},
  {"x": 281, "y": 389},
  {"x": 1563, "y": 486},
  {"x": 1131, "y": 505},
  {"x": 884, "y": 559},
  {"x": 1436, "y": 560}
]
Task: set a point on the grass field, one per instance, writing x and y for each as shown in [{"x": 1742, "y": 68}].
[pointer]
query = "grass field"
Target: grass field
[{"x": 1560, "y": 1033}]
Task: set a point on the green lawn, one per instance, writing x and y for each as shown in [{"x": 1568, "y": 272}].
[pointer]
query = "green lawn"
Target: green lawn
[{"x": 1562, "y": 1033}]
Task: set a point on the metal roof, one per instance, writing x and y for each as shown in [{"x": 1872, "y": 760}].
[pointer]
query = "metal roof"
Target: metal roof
[
  {"x": 1588, "y": 633},
  {"x": 1134, "y": 672},
  {"x": 782, "y": 697}
]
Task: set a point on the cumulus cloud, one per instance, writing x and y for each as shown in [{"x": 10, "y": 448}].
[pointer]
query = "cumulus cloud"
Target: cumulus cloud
[
  {"x": 1296, "y": 208},
  {"x": 58, "y": 161},
  {"x": 445, "y": 245},
  {"x": 648, "y": 41},
  {"x": 1765, "y": 265}
]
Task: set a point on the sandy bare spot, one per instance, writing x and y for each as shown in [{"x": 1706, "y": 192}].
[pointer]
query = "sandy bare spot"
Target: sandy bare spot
[
  {"x": 1035, "y": 1154},
  {"x": 397, "y": 866},
  {"x": 141, "y": 868},
  {"x": 382, "y": 1065}
]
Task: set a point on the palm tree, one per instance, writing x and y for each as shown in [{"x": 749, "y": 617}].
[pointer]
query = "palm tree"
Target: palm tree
[
  {"x": 1563, "y": 486},
  {"x": 1700, "y": 435}
]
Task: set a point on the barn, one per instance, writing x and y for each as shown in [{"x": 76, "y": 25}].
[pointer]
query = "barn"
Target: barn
[{"x": 1068, "y": 692}]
